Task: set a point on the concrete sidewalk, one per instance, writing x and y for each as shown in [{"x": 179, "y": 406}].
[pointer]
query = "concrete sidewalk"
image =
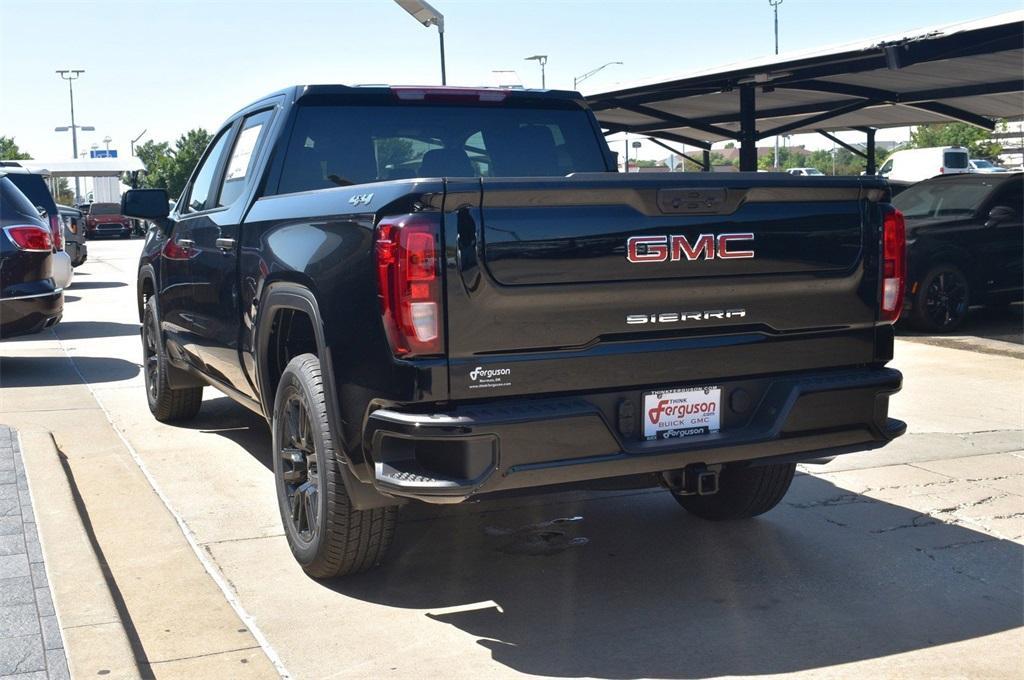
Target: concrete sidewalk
[{"x": 31, "y": 645}]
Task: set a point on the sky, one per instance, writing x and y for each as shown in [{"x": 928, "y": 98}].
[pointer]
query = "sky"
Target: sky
[{"x": 166, "y": 66}]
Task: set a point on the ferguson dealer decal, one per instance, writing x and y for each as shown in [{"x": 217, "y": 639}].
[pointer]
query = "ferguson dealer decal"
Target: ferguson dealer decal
[
  {"x": 484, "y": 378},
  {"x": 643, "y": 249}
]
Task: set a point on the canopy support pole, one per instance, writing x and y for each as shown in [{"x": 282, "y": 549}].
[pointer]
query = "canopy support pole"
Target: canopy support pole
[{"x": 748, "y": 131}]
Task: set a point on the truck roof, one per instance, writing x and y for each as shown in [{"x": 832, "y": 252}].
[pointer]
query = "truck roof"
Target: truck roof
[{"x": 298, "y": 92}]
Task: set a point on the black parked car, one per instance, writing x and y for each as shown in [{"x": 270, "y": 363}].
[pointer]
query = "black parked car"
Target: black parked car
[
  {"x": 29, "y": 300},
  {"x": 964, "y": 246}
]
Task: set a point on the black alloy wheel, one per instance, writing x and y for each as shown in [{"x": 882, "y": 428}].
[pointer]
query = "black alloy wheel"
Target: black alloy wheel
[
  {"x": 300, "y": 474},
  {"x": 151, "y": 357},
  {"x": 943, "y": 300}
]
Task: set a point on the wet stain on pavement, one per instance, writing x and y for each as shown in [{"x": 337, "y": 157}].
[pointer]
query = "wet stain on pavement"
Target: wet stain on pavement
[{"x": 541, "y": 538}]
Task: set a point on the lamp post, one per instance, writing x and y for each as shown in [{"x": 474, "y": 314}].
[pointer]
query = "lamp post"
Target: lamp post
[
  {"x": 135, "y": 140},
  {"x": 71, "y": 75},
  {"x": 775, "y": 9},
  {"x": 541, "y": 59},
  {"x": 422, "y": 12},
  {"x": 579, "y": 79}
]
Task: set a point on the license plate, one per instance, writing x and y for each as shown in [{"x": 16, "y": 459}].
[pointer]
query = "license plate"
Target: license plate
[{"x": 682, "y": 413}]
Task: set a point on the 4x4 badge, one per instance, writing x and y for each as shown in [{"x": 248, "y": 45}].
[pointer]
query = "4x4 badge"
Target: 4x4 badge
[{"x": 361, "y": 199}]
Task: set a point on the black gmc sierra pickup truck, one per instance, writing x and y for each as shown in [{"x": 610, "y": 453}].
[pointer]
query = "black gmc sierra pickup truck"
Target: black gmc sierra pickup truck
[{"x": 442, "y": 293}]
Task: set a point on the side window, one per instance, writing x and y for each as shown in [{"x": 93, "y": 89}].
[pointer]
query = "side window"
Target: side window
[
  {"x": 1011, "y": 195},
  {"x": 886, "y": 168},
  {"x": 240, "y": 163},
  {"x": 199, "y": 196}
]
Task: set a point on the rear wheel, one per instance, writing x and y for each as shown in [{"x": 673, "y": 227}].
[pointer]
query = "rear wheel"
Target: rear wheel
[
  {"x": 327, "y": 536},
  {"x": 165, "y": 403},
  {"x": 743, "y": 492},
  {"x": 941, "y": 300}
]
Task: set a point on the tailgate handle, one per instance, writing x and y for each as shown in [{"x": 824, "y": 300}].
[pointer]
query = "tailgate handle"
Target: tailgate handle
[{"x": 694, "y": 201}]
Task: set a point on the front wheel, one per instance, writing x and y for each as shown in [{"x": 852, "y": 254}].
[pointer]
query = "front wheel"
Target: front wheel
[
  {"x": 941, "y": 300},
  {"x": 327, "y": 536},
  {"x": 743, "y": 492},
  {"x": 165, "y": 403}
]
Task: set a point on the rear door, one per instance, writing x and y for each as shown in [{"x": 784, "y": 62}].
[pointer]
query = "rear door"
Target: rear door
[
  {"x": 609, "y": 280},
  {"x": 1007, "y": 236},
  {"x": 215, "y": 314}
]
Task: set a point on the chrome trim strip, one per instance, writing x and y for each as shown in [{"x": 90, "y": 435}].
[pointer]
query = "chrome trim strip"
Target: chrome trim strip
[{"x": 56, "y": 291}]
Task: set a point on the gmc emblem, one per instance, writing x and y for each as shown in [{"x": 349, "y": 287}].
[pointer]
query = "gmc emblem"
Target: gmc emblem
[{"x": 640, "y": 249}]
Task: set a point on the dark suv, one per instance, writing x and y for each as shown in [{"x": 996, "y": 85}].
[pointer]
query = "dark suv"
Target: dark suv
[
  {"x": 29, "y": 301},
  {"x": 965, "y": 236}
]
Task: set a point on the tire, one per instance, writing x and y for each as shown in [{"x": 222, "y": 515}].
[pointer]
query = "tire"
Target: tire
[
  {"x": 327, "y": 536},
  {"x": 743, "y": 492},
  {"x": 165, "y": 403},
  {"x": 942, "y": 300}
]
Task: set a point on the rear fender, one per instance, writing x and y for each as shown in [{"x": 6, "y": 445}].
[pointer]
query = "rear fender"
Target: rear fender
[{"x": 287, "y": 295}]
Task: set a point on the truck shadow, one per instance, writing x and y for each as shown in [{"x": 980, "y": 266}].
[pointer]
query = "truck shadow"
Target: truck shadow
[
  {"x": 631, "y": 586},
  {"x": 47, "y": 371}
]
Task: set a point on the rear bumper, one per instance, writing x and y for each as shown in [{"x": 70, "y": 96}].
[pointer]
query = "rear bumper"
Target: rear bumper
[
  {"x": 29, "y": 313},
  {"x": 108, "y": 229},
  {"x": 449, "y": 457}
]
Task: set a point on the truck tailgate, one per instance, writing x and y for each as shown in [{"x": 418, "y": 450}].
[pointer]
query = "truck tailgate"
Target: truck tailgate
[{"x": 606, "y": 280}]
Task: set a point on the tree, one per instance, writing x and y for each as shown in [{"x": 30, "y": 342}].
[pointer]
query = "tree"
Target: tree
[
  {"x": 168, "y": 168},
  {"x": 392, "y": 152},
  {"x": 64, "y": 194},
  {"x": 974, "y": 138},
  {"x": 9, "y": 151}
]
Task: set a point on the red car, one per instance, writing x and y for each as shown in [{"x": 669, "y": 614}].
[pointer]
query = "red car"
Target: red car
[{"x": 105, "y": 219}]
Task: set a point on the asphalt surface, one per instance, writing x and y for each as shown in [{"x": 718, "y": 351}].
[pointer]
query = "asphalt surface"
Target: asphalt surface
[{"x": 902, "y": 561}]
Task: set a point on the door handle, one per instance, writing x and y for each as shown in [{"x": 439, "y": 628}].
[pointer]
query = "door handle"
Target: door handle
[{"x": 226, "y": 244}]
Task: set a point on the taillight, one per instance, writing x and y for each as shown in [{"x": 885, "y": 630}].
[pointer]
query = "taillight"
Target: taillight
[
  {"x": 450, "y": 94},
  {"x": 58, "y": 233},
  {"x": 173, "y": 251},
  {"x": 409, "y": 283},
  {"x": 30, "y": 237},
  {"x": 894, "y": 264}
]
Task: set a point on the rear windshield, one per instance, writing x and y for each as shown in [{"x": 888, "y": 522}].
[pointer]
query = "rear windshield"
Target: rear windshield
[
  {"x": 955, "y": 160},
  {"x": 14, "y": 205},
  {"x": 34, "y": 188},
  {"x": 342, "y": 145},
  {"x": 942, "y": 199},
  {"x": 104, "y": 209}
]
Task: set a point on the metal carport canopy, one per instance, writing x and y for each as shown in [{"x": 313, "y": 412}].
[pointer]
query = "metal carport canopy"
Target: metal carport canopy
[
  {"x": 92, "y": 167},
  {"x": 969, "y": 72}
]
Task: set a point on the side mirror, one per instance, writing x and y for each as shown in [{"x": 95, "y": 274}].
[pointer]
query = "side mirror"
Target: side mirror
[
  {"x": 1001, "y": 214},
  {"x": 147, "y": 204}
]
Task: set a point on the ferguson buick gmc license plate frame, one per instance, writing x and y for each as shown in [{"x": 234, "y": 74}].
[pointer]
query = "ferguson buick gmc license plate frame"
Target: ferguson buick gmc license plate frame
[{"x": 689, "y": 412}]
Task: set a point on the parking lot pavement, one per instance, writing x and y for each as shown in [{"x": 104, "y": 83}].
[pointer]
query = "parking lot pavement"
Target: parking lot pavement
[{"x": 906, "y": 561}]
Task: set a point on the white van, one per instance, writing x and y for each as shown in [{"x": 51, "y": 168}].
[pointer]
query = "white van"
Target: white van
[{"x": 914, "y": 165}]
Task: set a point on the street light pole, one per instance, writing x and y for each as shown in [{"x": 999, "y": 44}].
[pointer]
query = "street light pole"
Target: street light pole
[
  {"x": 541, "y": 59},
  {"x": 579, "y": 79},
  {"x": 137, "y": 139},
  {"x": 71, "y": 75},
  {"x": 422, "y": 12},
  {"x": 775, "y": 9}
]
